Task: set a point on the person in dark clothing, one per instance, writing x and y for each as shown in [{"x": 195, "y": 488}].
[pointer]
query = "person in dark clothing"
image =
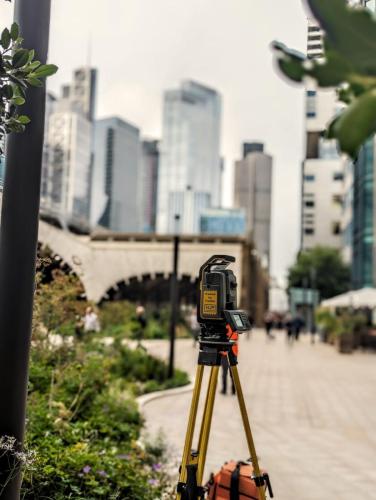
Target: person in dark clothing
[
  {"x": 268, "y": 321},
  {"x": 142, "y": 321},
  {"x": 225, "y": 370},
  {"x": 298, "y": 324},
  {"x": 289, "y": 328}
]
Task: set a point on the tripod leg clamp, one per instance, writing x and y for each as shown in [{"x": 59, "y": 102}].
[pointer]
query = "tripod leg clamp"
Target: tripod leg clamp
[
  {"x": 190, "y": 490},
  {"x": 264, "y": 479},
  {"x": 185, "y": 494}
]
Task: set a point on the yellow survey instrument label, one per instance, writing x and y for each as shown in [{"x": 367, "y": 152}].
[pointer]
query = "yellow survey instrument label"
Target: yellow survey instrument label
[{"x": 209, "y": 303}]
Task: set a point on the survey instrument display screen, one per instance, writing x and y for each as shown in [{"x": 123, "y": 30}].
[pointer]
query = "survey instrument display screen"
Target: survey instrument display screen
[{"x": 238, "y": 320}]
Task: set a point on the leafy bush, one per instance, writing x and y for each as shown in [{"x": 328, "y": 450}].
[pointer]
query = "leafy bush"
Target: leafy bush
[
  {"x": 118, "y": 319},
  {"x": 83, "y": 422}
]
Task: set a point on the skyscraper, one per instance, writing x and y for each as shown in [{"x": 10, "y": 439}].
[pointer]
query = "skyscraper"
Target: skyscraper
[
  {"x": 253, "y": 193},
  {"x": 149, "y": 184},
  {"x": 68, "y": 151},
  {"x": 190, "y": 163},
  {"x": 81, "y": 93},
  {"x": 66, "y": 180},
  {"x": 116, "y": 198}
]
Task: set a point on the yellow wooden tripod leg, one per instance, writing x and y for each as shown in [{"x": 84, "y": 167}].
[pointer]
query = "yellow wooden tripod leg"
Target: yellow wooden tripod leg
[
  {"x": 206, "y": 423},
  {"x": 247, "y": 428},
  {"x": 191, "y": 426},
  {"x": 204, "y": 411}
]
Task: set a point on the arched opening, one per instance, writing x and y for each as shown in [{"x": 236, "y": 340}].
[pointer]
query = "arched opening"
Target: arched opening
[
  {"x": 154, "y": 290},
  {"x": 49, "y": 262}
]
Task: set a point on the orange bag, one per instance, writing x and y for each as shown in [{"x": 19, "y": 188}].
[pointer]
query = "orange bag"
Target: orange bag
[{"x": 234, "y": 482}]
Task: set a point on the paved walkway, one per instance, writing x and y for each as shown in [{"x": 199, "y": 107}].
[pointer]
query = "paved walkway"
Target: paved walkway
[{"x": 312, "y": 412}]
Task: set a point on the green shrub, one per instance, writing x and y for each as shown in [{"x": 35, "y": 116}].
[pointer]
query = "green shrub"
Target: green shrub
[{"x": 82, "y": 418}]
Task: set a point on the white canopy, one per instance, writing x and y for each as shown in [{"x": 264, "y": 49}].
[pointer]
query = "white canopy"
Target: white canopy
[{"x": 366, "y": 297}]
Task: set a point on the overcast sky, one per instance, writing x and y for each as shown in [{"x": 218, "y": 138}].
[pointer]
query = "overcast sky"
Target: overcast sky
[{"x": 142, "y": 47}]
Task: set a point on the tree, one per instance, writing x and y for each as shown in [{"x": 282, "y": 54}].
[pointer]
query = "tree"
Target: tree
[
  {"x": 349, "y": 65},
  {"x": 321, "y": 268}
]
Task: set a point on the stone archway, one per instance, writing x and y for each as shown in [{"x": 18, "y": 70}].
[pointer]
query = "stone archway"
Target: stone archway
[{"x": 153, "y": 289}]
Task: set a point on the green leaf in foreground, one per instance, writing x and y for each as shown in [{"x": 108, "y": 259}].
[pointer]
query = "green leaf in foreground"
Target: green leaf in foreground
[
  {"x": 290, "y": 62},
  {"x": 20, "y": 58},
  {"x": 14, "y": 31},
  {"x": 18, "y": 101},
  {"x": 34, "y": 82},
  {"x": 5, "y": 38},
  {"x": 350, "y": 32},
  {"x": 24, "y": 119},
  {"x": 7, "y": 91},
  {"x": 45, "y": 70},
  {"x": 355, "y": 124}
]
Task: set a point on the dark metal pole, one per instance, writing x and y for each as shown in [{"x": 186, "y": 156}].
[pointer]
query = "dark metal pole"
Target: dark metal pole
[
  {"x": 174, "y": 293},
  {"x": 18, "y": 242}
]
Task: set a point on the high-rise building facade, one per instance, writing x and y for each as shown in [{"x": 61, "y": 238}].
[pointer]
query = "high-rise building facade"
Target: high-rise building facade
[
  {"x": 66, "y": 181},
  {"x": 68, "y": 151},
  {"x": 227, "y": 221},
  {"x": 81, "y": 93},
  {"x": 253, "y": 193},
  {"x": 149, "y": 184},
  {"x": 190, "y": 164},
  {"x": 364, "y": 221},
  {"x": 363, "y": 224},
  {"x": 116, "y": 199},
  {"x": 323, "y": 166}
]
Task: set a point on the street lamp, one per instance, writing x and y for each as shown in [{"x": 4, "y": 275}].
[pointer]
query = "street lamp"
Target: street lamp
[
  {"x": 174, "y": 293},
  {"x": 18, "y": 245}
]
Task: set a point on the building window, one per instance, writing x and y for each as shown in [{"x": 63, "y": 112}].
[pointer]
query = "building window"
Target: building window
[
  {"x": 313, "y": 28},
  {"x": 309, "y": 230},
  {"x": 316, "y": 46},
  {"x": 309, "y": 177},
  {"x": 309, "y": 203},
  {"x": 312, "y": 150},
  {"x": 336, "y": 228},
  {"x": 314, "y": 38},
  {"x": 311, "y": 103},
  {"x": 337, "y": 199},
  {"x": 338, "y": 176}
]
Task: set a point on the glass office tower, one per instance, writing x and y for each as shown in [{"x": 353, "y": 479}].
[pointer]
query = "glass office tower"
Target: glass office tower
[
  {"x": 364, "y": 193},
  {"x": 190, "y": 163}
]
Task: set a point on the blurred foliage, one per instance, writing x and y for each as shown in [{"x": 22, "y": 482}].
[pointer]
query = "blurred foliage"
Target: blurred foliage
[
  {"x": 321, "y": 268},
  {"x": 334, "y": 325},
  {"x": 119, "y": 319},
  {"x": 83, "y": 422},
  {"x": 349, "y": 64},
  {"x": 18, "y": 71}
]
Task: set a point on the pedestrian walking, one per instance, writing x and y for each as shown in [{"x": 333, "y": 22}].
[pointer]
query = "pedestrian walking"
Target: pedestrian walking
[
  {"x": 251, "y": 321},
  {"x": 225, "y": 370},
  {"x": 268, "y": 322},
  {"x": 289, "y": 328},
  {"x": 298, "y": 324},
  {"x": 91, "y": 321},
  {"x": 142, "y": 322}
]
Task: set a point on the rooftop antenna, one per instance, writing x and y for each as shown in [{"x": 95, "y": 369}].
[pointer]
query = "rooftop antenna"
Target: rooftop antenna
[{"x": 89, "y": 50}]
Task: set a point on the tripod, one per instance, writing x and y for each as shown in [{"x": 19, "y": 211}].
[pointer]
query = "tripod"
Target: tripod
[{"x": 193, "y": 461}]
